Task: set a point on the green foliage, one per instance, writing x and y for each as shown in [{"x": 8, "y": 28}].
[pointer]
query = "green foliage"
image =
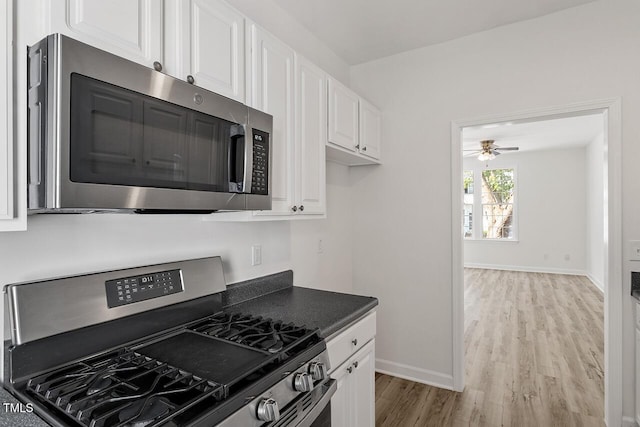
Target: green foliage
[{"x": 500, "y": 183}]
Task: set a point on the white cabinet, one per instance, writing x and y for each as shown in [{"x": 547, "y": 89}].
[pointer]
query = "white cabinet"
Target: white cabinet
[
  {"x": 293, "y": 90},
  {"x": 8, "y": 217},
  {"x": 637, "y": 329},
  {"x": 310, "y": 137},
  {"x": 128, "y": 28},
  {"x": 205, "y": 40},
  {"x": 370, "y": 130},
  {"x": 343, "y": 116},
  {"x": 272, "y": 91},
  {"x": 637, "y": 372},
  {"x": 354, "y": 127},
  {"x": 352, "y": 358}
]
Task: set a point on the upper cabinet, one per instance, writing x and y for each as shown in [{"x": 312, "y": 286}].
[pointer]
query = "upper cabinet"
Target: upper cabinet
[
  {"x": 343, "y": 116},
  {"x": 205, "y": 44},
  {"x": 354, "y": 127},
  {"x": 370, "y": 130},
  {"x": 129, "y": 28},
  {"x": 271, "y": 65},
  {"x": 8, "y": 218},
  {"x": 311, "y": 137}
]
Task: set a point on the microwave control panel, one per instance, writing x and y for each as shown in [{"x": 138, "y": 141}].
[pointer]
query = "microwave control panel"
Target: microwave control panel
[
  {"x": 260, "y": 176},
  {"x": 128, "y": 290}
]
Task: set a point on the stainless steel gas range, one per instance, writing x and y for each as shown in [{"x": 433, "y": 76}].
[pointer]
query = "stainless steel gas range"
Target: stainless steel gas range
[{"x": 152, "y": 346}]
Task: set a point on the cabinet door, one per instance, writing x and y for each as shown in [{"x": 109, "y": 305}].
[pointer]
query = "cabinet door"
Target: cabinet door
[
  {"x": 341, "y": 402},
  {"x": 205, "y": 39},
  {"x": 364, "y": 386},
  {"x": 637, "y": 372},
  {"x": 343, "y": 116},
  {"x": 272, "y": 86},
  {"x": 311, "y": 138},
  {"x": 8, "y": 220},
  {"x": 370, "y": 130},
  {"x": 128, "y": 28}
]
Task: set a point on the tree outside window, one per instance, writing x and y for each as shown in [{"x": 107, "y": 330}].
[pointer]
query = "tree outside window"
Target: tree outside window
[{"x": 497, "y": 203}]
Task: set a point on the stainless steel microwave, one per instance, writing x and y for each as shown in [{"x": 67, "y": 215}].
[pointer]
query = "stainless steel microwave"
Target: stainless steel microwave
[{"x": 106, "y": 133}]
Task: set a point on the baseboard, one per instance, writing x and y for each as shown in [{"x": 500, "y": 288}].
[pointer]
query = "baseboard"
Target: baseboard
[
  {"x": 596, "y": 282},
  {"x": 527, "y": 269},
  {"x": 412, "y": 373},
  {"x": 629, "y": 422}
]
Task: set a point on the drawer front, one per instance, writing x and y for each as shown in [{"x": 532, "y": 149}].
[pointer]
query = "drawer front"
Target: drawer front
[{"x": 351, "y": 340}]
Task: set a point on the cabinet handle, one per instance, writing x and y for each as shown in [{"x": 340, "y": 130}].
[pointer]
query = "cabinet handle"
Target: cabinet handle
[
  {"x": 190, "y": 79},
  {"x": 301, "y": 208},
  {"x": 157, "y": 66},
  {"x": 355, "y": 364},
  {"x": 354, "y": 341},
  {"x": 364, "y": 148},
  {"x": 358, "y": 147},
  {"x": 295, "y": 209},
  {"x": 350, "y": 369}
]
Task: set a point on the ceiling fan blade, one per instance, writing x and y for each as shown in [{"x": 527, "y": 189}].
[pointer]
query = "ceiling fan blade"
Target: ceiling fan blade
[
  {"x": 497, "y": 153},
  {"x": 507, "y": 148},
  {"x": 472, "y": 149}
]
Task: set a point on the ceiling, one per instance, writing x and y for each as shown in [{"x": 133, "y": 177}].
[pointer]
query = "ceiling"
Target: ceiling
[
  {"x": 553, "y": 134},
  {"x": 363, "y": 30}
]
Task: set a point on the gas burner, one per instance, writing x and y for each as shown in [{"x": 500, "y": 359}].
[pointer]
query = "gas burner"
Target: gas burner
[
  {"x": 256, "y": 332},
  {"x": 124, "y": 388},
  {"x": 144, "y": 412}
]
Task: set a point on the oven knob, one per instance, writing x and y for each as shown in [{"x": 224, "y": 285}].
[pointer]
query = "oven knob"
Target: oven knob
[
  {"x": 302, "y": 382},
  {"x": 268, "y": 410},
  {"x": 318, "y": 371}
]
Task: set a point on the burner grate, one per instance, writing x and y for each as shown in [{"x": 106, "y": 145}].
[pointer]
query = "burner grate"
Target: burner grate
[
  {"x": 122, "y": 389},
  {"x": 255, "y": 332}
]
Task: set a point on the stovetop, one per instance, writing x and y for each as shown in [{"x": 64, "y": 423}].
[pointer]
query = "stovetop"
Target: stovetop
[
  {"x": 118, "y": 354},
  {"x": 174, "y": 379}
]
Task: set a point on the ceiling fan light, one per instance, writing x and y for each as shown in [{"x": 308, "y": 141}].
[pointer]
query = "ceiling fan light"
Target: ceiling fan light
[{"x": 486, "y": 155}]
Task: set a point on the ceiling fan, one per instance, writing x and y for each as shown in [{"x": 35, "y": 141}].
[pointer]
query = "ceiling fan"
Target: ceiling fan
[{"x": 489, "y": 151}]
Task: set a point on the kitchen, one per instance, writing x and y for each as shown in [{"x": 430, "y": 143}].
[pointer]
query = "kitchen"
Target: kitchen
[{"x": 574, "y": 55}]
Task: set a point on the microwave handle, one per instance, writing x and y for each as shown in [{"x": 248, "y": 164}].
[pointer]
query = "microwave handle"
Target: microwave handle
[{"x": 240, "y": 179}]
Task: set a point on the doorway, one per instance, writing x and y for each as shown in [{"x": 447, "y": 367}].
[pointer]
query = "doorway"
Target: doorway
[{"x": 609, "y": 111}]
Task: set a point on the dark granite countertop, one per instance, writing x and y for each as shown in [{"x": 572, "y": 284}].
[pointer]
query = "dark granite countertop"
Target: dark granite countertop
[
  {"x": 275, "y": 297},
  {"x": 11, "y": 419}
]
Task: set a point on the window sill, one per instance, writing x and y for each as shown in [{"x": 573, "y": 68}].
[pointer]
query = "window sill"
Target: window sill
[{"x": 469, "y": 239}]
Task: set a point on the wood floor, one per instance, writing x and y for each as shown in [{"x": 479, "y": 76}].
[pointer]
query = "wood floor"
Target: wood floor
[{"x": 534, "y": 357}]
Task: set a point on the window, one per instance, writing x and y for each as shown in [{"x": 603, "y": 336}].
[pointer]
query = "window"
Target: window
[
  {"x": 495, "y": 202},
  {"x": 468, "y": 204}
]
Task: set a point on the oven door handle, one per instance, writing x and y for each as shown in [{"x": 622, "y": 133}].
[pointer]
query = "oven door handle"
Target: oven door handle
[{"x": 332, "y": 386}]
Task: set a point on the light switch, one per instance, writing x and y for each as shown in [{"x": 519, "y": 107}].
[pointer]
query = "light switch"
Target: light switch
[{"x": 634, "y": 250}]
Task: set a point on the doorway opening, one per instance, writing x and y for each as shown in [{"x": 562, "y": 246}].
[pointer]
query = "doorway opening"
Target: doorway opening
[{"x": 507, "y": 232}]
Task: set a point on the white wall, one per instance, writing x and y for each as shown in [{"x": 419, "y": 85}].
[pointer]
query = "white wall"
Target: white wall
[
  {"x": 402, "y": 210},
  {"x": 60, "y": 245},
  {"x": 550, "y": 214},
  {"x": 595, "y": 211},
  {"x": 269, "y": 15}
]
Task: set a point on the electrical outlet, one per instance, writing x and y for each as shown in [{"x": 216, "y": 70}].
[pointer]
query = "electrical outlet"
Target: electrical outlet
[
  {"x": 256, "y": 255},
  {"x": 320, "y": 246}
]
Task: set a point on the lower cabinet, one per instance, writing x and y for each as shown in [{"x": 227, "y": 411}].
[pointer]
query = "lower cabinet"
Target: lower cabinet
[
  {"x": 637, "y": 364},
  {"x": 352, "y": 358},
  {"x": 353, "y": 404}
]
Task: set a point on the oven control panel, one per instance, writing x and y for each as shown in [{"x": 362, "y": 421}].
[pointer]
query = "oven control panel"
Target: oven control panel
[{"x": 128, "y": 290}]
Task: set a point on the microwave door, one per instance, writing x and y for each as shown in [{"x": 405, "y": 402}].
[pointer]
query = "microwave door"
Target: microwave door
[{"x": 240, "y": 161}]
